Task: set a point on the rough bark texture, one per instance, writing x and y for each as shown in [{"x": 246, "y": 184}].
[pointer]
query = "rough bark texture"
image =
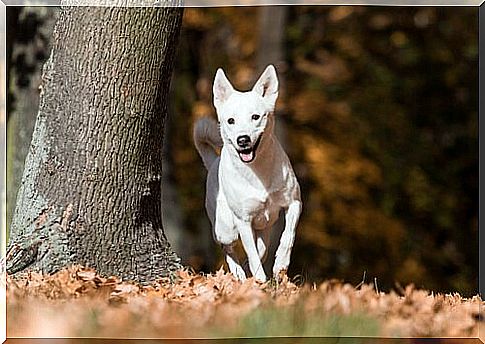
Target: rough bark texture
[{"x": 91, "y": 187}]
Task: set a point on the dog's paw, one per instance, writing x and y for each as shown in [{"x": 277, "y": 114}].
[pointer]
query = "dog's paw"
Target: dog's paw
[
  {"x": 280, "y": 276},
  {"x": 279, "y": 271},
  {"x": 260, "y": 277},
  {"x": 238, "y": 272}
]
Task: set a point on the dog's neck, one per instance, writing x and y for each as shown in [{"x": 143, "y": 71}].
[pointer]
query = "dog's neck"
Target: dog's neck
[{"x": 264, "y": 164}]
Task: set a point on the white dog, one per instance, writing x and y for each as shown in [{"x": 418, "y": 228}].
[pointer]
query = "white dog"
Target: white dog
[{"x": 252, "y": 179}]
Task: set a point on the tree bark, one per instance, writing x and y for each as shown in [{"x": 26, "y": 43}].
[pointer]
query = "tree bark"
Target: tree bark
[{"x": 91, "y": 188}]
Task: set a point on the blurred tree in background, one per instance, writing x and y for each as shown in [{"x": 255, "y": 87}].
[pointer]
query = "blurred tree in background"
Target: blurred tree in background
[{"x": 379, "y": 112}]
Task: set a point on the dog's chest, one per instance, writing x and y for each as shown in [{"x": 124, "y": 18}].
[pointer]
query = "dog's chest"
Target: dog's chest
[
  {"x": 259, "y": 207},
  {"x": 253, "y": 197}
]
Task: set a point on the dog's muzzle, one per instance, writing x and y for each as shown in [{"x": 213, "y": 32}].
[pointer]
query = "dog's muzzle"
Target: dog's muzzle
[{"x": 246, "y": 153}]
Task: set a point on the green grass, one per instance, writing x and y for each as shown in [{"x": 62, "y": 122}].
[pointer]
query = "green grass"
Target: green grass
[{"x": 295, "y": 321}]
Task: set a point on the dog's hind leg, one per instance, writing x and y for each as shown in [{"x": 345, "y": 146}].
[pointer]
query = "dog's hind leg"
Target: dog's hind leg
[
  {"x": 262, "y": 243},
  {"x": 232, "y": 262},
  {"x": 247, "y": 239}
]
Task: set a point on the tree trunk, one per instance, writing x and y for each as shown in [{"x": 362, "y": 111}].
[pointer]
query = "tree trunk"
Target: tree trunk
[
  {"x": 91, "y": 187},
  {"x": 272, "y": 24}
]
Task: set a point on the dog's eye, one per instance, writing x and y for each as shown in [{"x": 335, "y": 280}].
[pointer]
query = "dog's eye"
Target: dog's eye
[
  {"x": 231, "y": 120},
  {"x": 255, "y": 117}
]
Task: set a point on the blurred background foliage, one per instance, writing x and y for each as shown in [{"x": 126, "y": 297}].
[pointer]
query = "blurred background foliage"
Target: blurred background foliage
[{"x": 378, "y": 112}]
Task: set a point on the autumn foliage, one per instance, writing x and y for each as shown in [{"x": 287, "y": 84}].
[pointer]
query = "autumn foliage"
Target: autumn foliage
[
  {"x": 378, "y": 107},
  {"x": 379, "y": 113},
  {"x": 76, "y": 302}
]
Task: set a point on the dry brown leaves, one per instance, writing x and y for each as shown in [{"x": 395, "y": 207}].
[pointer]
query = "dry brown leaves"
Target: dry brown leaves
[{"x": 77, "y": 302}]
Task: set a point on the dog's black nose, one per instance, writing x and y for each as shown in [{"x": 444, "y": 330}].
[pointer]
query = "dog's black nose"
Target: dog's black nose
[{"x": 243, "y": 141}]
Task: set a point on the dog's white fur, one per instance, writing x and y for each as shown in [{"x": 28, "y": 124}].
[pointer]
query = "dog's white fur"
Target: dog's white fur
[{"x": 244, "y": 199}]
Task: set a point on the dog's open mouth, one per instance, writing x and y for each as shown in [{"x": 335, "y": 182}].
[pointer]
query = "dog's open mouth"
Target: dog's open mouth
[{"x": 248, "y": 154}]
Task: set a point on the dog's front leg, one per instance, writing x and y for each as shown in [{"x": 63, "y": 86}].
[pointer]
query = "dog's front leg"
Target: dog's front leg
[
  {"x": 226, "y": 234},
  {"x": 247, "y": 239},
  {"x": 283, "y": 252}
]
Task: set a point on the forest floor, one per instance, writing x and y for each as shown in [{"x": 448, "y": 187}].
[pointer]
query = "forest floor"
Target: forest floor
[{"x": 76, "y": 302}]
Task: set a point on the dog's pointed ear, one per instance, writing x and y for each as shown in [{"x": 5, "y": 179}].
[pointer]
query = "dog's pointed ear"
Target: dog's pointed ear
[
  {"x": 267, "y": 84},
  {"x": 221, "y": 88}
]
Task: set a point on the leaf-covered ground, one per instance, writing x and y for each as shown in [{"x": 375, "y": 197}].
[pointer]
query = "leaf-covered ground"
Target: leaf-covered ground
[{"x": 76, "y": 302}]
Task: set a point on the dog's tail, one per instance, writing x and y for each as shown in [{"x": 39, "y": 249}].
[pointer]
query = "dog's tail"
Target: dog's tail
[{"x": 207, "y": 140}]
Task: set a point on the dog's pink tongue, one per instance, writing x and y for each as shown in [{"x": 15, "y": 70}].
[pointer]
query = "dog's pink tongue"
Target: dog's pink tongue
[{"x": 247, "y": 157}]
